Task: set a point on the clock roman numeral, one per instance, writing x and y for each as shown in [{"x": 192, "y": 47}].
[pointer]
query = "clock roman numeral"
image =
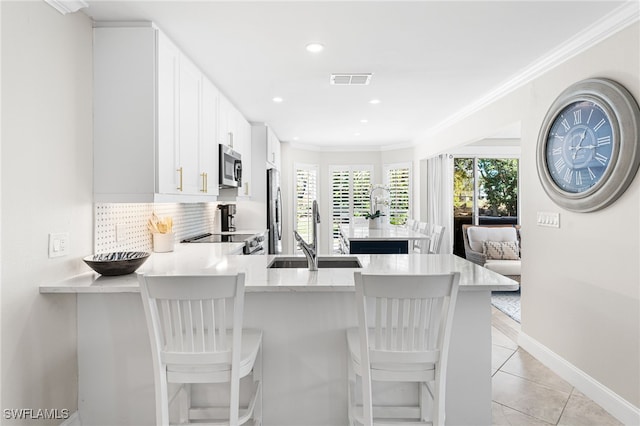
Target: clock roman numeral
[
  {"x": 601, "y": 158},
  {"x": 579, "y": 178},
  {"x": 565, "y": 124},
  {"x": 568, "y": 175},
  {"x": 592, "y": 175},
  {"x": 597, "y": 126},
  {"x": 557, "y": 151},
  {"x": 605, "y": 140},
  {"x": 559, "y": 164},
  {"x": 590, "y": 113},
  {"x": 577, "y": 117}
]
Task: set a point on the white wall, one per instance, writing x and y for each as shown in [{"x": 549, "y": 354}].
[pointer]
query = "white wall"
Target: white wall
[
  {"x": 292, "y": 155},
  {"x": 46, "y": 187},
  {"x": 581, "y": 282}
]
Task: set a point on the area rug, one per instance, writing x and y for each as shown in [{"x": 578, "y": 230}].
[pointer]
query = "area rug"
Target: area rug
[{"x": 507, "y": 302}]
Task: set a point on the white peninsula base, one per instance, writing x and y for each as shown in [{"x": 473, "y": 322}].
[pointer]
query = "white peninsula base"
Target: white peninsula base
[
  {"x": 303, "y": 315},
  {"x": 304, "y": 358}
]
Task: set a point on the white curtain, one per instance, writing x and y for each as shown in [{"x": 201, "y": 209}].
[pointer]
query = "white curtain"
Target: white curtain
[{"x": 439, "y": 196}]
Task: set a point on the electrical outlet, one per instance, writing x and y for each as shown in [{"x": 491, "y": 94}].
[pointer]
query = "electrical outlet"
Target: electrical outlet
[
  {"x": 551, "y": 220},
  {"x": 59, "y": 244},
  {"x": 121, "y": 232}
]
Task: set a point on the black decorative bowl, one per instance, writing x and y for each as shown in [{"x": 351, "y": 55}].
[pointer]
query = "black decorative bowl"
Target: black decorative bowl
[{"x": 116, "y": 263}]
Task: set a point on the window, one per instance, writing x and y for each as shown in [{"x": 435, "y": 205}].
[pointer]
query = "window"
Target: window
[
  {"x": 306, "y": 190},
  {"x": 486, "y": 188},
  {"x": 350, "y": 187},
  {"x": 398, "y": 180}
]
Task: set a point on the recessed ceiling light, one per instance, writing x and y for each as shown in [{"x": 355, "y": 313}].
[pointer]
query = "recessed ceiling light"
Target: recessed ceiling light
[
  {"x": 277, "y": 99},
  {"x": 364, "y": 120},
  {"x": 374, "y": 101},
  {"x": 295, "y": 138},
  {"x": 314, "y": 47},
  {"x": 356, "y": 134}
]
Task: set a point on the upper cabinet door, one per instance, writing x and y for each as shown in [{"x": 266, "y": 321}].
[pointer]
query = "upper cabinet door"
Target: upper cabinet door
[
  {"x": 243, "y": 138},
  {"x": 273, "y": 149},
  {"x": 190, "y": 88},
  {"x": 208, "y": 158},
  {"x": 168, "y": 90},
  {"x": 225, "y": 121}
]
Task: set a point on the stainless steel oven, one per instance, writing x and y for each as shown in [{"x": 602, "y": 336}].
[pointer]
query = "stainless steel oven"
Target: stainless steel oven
[{"x": 230, "y": 168}]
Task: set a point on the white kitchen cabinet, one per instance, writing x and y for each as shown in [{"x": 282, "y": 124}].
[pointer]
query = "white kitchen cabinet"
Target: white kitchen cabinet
[
  {"x": 243, "y": 130},
  {"x": 235, "y": 132},
  {"x": 208, "y": 159},
  {"x": 167, "y": 72},
  {"x": 188, "y": 141},
  {"x": 226, "y": 122},
  {"x": 148, "y": 101},
  {"x": 273, "y": 149},
  {"x": 266, "y": 146}
]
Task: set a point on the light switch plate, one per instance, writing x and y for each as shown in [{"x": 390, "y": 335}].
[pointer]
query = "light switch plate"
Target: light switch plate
[
  {"x": 59, "y": 244},
  {"x": 548, "y": 219},
  {"x": 121, "y": 232}
]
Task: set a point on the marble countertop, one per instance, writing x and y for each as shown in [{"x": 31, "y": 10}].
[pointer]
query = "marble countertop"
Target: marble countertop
[
  {"x": 212, "y": 259},
  {"x": 387, "y": 233}
]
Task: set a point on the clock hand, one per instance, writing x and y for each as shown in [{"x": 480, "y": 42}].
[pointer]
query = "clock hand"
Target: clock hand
[{"x": 584, "y": 134}]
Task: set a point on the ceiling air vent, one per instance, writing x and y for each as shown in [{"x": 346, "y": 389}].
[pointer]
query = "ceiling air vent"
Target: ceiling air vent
[{"x": 361, "y": 79}]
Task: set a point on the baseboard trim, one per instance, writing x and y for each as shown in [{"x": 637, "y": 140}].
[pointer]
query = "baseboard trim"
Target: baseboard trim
[
  {"x": 617, "y": 406},
  {"x": 73, "y": 420}
]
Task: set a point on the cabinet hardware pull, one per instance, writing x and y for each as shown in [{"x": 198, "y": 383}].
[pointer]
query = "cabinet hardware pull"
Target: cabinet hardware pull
[
  {"x": 230, "y": 139},
  {"x": 180, "y": 186},
  {"x": 204, "y": 182}
]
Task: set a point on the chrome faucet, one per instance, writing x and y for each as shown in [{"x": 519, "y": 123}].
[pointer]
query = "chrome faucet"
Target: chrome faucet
[{"x": 311, "y": 250}]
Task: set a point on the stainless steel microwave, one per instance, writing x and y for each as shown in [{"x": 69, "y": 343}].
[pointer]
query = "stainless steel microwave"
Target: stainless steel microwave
[{"x": 230, "y": 168}]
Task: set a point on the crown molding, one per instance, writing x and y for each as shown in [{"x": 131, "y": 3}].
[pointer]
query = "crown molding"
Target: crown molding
[
  {"x": 617, "y": 20},
  {"x": 67, "y": 6}
]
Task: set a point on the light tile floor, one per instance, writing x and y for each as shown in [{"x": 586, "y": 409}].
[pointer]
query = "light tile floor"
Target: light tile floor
[{"x": 525, "y": 392}]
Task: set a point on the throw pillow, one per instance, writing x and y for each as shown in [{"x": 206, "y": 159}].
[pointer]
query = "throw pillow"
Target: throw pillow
[{"x": 501, "y": 250}]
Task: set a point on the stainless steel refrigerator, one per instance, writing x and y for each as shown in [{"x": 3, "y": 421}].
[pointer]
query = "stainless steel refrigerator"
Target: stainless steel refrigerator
[{"x": 274, "y": 211}]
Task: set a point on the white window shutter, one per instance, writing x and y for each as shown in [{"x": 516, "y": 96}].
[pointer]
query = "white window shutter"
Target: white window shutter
[
  {"x": 306, "y": 190},
  {"x": 350, "y": 186},
  {"x": 398, "y": 180}
]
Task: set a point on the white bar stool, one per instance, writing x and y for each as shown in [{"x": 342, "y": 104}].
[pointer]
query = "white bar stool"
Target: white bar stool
[
  {"x": 188, "y": 319},
  {"x": 403, "y": 336}
]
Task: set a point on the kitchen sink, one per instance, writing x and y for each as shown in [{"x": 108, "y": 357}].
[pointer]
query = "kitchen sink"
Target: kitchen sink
[{"x": 323, "y": 262}]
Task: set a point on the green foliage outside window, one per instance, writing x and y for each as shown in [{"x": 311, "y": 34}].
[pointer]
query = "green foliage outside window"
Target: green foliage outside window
[{"x": 497, "y": 187}]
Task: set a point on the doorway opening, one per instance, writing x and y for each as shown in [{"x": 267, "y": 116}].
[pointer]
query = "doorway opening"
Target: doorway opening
[{"x": 485, "y": 192}]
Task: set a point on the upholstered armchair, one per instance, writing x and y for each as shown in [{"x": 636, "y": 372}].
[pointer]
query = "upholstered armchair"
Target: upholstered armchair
[{"x": 496, "y": 247}]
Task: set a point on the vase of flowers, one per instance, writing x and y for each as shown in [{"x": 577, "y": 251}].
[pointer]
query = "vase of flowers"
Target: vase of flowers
[
  {"x": 378, "y": 198},
  {"x": 374, "y": 219}
]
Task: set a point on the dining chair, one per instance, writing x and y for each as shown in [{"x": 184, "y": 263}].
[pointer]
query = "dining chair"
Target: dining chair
[
  {"x": 422, "y": 246},
  {"x": 435, "y": 242},
  {"x": 411, "y": 224},
  {"x": 403, "y": 334},
  {"x": 195, "y": 328}
]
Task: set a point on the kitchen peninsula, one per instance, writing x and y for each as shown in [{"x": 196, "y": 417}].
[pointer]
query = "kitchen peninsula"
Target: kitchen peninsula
[{"x": 303, "y": 315}]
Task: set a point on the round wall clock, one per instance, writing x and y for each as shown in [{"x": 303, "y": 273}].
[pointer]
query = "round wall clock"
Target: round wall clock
[{"x": 588, "y": 151}]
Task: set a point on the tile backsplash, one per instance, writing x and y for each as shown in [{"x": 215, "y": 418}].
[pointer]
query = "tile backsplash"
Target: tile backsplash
[{"x": 129, "y": 222}]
